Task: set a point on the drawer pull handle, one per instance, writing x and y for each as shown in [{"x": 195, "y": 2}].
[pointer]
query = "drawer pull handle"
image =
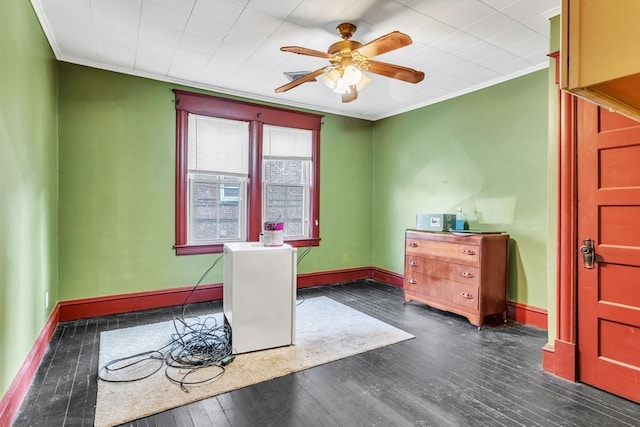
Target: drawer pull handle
[
  {"x": 469, "y": 252},
  {"x": 413, "y": 244},
  {"x": 413, "y": 263},
  {"x": 413, "y": 281},
  {"x": 467, "y": 295},
  {"x": 468, "y": 274}
]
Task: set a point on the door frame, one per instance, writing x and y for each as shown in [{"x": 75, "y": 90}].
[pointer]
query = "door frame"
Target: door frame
[{"x": 560, "y": 357}]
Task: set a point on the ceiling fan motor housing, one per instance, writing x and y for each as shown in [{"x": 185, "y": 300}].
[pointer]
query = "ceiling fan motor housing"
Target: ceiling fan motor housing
[
  {"x": 343, "y": 53},
  {"x": 346, "y": 30}
]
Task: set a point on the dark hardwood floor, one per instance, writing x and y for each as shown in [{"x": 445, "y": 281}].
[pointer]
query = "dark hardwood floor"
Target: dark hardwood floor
[{"x": 451, "y": 374}]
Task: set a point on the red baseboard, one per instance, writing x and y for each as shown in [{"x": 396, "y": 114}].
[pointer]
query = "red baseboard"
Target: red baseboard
[
  {"x": 116, "y": 304},
  {"x": 307, "y": 280},
  {"x": 386, "y": 276},
  {"x": 18, "y": 389},
  {"x": 527, "y": 314},
  {"x": 559, "y": 359},
  {"x": 549, "y": 358}
]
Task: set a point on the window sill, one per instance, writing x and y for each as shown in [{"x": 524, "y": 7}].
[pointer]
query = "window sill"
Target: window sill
[{"x": 218, "y": 248}]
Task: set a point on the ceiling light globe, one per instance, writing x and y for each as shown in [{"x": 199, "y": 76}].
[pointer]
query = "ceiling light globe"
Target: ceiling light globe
[
  {"x": 341, "y": 86},
  {"x": 351, "y": 75},
  {"x": 331, "y": 78}
]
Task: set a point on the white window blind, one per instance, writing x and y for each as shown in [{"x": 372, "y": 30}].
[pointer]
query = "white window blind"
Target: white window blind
[
  {"x": 287, "y": 157},
  {"x": 218, "y": 145},
  {"x": 290, "y": 143}
]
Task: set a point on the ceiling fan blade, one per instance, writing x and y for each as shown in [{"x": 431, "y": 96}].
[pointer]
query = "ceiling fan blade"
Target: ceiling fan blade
[
  {"x": 299, "y": 81},
  {"x": 352, "y": 95},
  {"x": 384, "y": 44},
  {"x": 395, "y": 71},
  {"x": 304, "y": 51}
]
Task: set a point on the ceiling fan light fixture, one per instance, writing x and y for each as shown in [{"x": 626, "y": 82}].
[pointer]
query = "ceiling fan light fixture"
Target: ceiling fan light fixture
[
  {"x": 342, "y": 86},
  {"x": 351, "y": 75},
  {"x": 331, "y": 78},
  {"x": 334, "y": 81},
  {"x": 341, "y": 80}
]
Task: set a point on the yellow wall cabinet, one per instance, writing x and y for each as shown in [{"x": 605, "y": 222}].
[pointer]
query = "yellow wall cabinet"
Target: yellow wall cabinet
[{"x": 600, "y": 52}]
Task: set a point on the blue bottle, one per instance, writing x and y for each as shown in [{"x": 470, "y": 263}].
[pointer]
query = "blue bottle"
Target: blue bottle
[{"x": 461, "y": 220}]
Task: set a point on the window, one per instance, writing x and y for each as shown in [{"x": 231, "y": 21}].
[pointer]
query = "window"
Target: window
[
  {"x": 230, "y": 193},
  {"x": 217, "y": 172},
  {"x": 240, "y": 164},
  {"x": 286, "y": 165},
  {"x": 212, "y": 216}
]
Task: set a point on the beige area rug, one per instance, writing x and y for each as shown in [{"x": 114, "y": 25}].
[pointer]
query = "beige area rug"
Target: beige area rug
[{"x": 326, "y": 330}]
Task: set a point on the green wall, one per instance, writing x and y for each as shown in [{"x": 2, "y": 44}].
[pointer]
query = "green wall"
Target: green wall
[
  {"x": 117, "y": 170},
  {"x": 485, "y": 152},
  {"x": 28, "y": 184}
]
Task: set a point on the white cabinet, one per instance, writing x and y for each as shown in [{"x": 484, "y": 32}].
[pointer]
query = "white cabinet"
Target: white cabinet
[{"x": 259, "y": 295}]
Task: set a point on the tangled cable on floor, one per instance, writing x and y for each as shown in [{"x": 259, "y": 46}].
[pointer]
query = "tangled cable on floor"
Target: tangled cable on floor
[{"x": 194, "y": 346}]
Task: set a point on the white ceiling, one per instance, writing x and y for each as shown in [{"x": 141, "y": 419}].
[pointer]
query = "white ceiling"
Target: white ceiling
[{"x": 233, "y": 46}]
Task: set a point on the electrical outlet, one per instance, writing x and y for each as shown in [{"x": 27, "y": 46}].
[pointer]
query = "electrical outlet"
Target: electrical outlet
[{"x": 46, "y": 299}]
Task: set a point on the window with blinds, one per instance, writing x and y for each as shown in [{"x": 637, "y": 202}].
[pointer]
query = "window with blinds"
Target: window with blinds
[
  {"x": 217, "y": 172},
  {"x": 286, "y": 167},
  {"x": 240, "y": 164}
]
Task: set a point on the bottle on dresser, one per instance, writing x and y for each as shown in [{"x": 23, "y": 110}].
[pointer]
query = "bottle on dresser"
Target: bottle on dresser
[{"x": 461, "y": 220}]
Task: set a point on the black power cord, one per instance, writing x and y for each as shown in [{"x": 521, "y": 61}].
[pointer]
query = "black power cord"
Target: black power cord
[
  {"x": 196, "y": 346},
  {"x": 193, "y": 346},
  {"x": 300, "y": 299}
]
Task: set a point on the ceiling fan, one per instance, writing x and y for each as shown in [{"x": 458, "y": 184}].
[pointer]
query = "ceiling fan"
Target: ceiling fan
[{"x": 349, "y": 58}]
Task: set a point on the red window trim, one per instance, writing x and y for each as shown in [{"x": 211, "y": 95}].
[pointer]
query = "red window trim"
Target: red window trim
[{"x": 256, "y": 115}]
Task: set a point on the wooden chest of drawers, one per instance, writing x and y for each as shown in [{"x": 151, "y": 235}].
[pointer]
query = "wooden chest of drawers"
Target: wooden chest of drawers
[{"x": 463, "y": 274}]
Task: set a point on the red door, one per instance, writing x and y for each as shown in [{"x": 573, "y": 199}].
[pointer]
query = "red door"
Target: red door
[{"x": 609, "y": 214}]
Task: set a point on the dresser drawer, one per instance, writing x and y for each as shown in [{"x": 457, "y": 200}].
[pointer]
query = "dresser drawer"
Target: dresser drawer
[
  {"x": 465, "y": 295},
  {"x": 426, "y": 285},
  {"x": 446, "y": 251},
  {"x": 414, "y": 263},
  {"x": 411, "y": 281},
  {"x": 443, "y": 290},
  {"x": 463, "y": 273}
]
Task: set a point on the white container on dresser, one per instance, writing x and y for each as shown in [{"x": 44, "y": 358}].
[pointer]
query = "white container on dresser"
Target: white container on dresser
[{"x": 464, "y": 274}]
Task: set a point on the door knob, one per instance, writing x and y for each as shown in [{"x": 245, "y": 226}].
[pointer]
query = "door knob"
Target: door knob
[{"x": 588, "y": 253}]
